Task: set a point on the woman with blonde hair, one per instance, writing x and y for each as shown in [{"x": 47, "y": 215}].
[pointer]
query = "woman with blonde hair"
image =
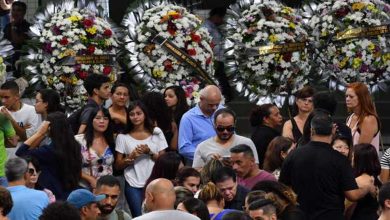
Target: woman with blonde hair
[
  {"x": 214, "y": 201},
  {"x": 209, "y": 168},
  {"x": 363, "y": 121}
]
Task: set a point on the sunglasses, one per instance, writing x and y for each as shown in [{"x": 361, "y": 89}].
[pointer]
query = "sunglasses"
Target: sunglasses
[
  {"x": 227, "y": 128},
  {"x": 100, "y": 162},
  {"x": 32, "y": 171}
]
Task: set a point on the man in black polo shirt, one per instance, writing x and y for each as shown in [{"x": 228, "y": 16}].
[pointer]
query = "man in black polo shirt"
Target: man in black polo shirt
[
  {"x": 225, "y": 180},
  {"x": 321, "y": 176}
]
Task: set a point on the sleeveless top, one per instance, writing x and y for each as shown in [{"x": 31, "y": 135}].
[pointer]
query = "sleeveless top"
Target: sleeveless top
[
  {"x": 297, "y": 134},
  {"x": 356, "y": 134}
]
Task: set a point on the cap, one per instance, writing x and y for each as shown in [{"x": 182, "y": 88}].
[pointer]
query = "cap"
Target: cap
[{"x": 83, "y": 197}]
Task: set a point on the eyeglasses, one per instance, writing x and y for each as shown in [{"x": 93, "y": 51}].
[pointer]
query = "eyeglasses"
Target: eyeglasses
[
  {"x": 227, "y": 128},
  {"x": 32, "y": 171},
  {"x": 100, "y": 162}
]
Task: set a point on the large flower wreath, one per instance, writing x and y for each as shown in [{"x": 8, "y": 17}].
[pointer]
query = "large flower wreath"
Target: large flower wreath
[
  {"x": 5, "y": 51},
  {"x": 162, "y": 67},
  {"x": 269, "y": 51},
  {"x": 73, "y": 43},
  {"x": 354, "y": 43}
]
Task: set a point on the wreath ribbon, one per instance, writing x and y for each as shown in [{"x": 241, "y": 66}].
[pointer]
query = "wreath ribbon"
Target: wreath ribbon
[{"x": 181, "y": 55}]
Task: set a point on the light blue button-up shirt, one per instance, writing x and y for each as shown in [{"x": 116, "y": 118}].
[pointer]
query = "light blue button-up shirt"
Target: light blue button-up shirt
[{"x": 194, "y": 128}]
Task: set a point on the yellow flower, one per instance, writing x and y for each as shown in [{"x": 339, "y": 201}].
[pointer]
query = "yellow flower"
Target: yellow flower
[
  {"x": 371, "y": 47},
  {"x": 49, "y": 80},
  {"x": 74, "y": 80},
  {"x": 356, "y": 63},
  {"x": 358, "y": 6},
  {"x": 69, "y": 52},
  {"x": 74, "y": 18},
  {"x": 324, "y": 33},
  {"x": 386, "y": 57},
  {"x": 291, "y": 25},
  {"x": 92, "y": 30},
  {"x": 371, "y": 7},
  {"x": 273, "y": 38},
  {"x": 172, "y": 13},
  {"x": 343, "y": 62},
  {"x": 82, "y": 37},
  {"x": 287, "y": 10},
  {"x": 157, "y": 73},
  {"x": 107, "y": 42},
  {"x": 1, "y": 60}
]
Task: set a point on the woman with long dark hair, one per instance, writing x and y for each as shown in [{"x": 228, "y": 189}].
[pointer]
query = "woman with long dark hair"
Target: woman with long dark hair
[
  {"x": 293, "y": 128},
  {"x": 60, "y": 160},
  {"x": 47, "y": 101},
  {"x": 166, "y": 166},
  {"x": 176, "y": 101},
  {"x": 366, "y": 162},
  {"x": 277, "y": 151},
  {"x": 195, "y": 207},
  {"x": 159, "y": 114},
  {"x": 137, "y": 149},
  {"x": 118, "y": 111},
  {"x": 97, "y": 147}
]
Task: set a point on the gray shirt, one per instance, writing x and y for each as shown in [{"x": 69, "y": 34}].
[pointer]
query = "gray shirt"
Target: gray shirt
[
  {"x": 207, "y": 148},
  {"x": 114, "y": 216},
  {"x": 167, "y": 214}
]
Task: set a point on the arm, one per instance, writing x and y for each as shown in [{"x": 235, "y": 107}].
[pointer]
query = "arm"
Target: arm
[
  {"x": 39, "y": 135},
  {"x": 9, "y": 132},
  {"x": 20, "y": 131},
  {"x": 122, "y": 161},
  {"x": 90, "y": 179},
  {"x": 175, "y": 138},
  {"x": 366, "y": 185},
  {"x": 384, "y": 176},
  {"x": 368, "y": 129},
  {"x": 287, "y": 130},
  {"x": 385, "y": 166}
]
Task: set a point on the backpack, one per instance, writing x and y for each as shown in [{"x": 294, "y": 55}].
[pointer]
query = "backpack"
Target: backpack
[{"x": 74, "y": 118}]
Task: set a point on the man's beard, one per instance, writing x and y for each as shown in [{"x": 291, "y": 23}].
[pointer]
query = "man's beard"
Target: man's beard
[
  {"x": 225, "y": 137},
  {"x": 104, "y": 210}
]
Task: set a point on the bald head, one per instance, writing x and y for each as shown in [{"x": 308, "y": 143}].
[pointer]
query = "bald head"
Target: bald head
[
  {"x": 210, "y": 97},
  {"x": 160, "y": 195}
]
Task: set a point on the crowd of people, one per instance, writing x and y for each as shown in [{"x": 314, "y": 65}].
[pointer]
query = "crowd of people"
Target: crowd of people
[{"x": 157, "y": 157}]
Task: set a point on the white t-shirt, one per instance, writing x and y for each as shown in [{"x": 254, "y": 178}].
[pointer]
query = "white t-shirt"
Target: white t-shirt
[
  {"x": 137, "y": 174},
  {"x": 167, "y": 214},
  {"x": 25, "y": 115},
  {"x": 207, "y": 148}
]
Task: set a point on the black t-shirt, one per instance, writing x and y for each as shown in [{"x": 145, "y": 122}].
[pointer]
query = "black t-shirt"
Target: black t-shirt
[
  {"x": 239, "y": 200},
  {"x": 320, "y": 176},
  {"x": 261, "y": 138}
]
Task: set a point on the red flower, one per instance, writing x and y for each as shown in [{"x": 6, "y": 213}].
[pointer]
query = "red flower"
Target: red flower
[
  {"x": 107, "y": 70},
  {"x": 91, "y": 49},
  {"x": 191, "y": 52},
  {"x": 208, "y": 61},
  {"x": 83, "y": 75},
  {"x": 168, "y": 65},
  {"x": 87, "y": 23},
  {"x": 175, "y": 16},
  {"x": 287, "y": 57},
  {"x": 196, "y": 38},
  {"x": 64, "y": 41},
  {"x": 342, "y": 12},
  {"x": 212, "y": 45},
  {"x": 107, "y": 33}
]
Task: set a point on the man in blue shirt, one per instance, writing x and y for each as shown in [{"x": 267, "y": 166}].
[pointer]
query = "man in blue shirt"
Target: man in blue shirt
[
  {"x": 196, "y": 125},
  {"x": 28, "y": 203}
]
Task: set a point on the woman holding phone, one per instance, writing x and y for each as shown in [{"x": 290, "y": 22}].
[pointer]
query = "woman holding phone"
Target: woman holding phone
[{"x": 137, "y": 150}]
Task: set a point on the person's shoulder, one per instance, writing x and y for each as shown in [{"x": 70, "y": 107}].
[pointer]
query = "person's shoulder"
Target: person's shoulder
[
  {"x": 27, "y": 107},
  {"x": 206, "y": 142},
  {"x": 243, "y": 139},
  {"x": 169, "y": 214},
  {"x": 370, "y": 120}
]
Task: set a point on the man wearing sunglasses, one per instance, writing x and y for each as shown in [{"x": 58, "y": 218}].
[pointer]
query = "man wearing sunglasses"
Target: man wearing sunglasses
[
  {"x": 218, "y": 146},
  {"x": 196, "y": 124}
]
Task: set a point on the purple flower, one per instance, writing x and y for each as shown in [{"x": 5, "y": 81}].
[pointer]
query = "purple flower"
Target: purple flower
[
  {"x": 56, "y": 30},
  {"x": 363, "y": 68},
  {"x": 47, "y": 47},
  {"x": 183, "y": 83}
]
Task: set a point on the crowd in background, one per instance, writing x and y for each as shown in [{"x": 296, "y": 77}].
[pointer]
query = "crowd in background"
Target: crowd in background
[{"x": 158, "y": 157}]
